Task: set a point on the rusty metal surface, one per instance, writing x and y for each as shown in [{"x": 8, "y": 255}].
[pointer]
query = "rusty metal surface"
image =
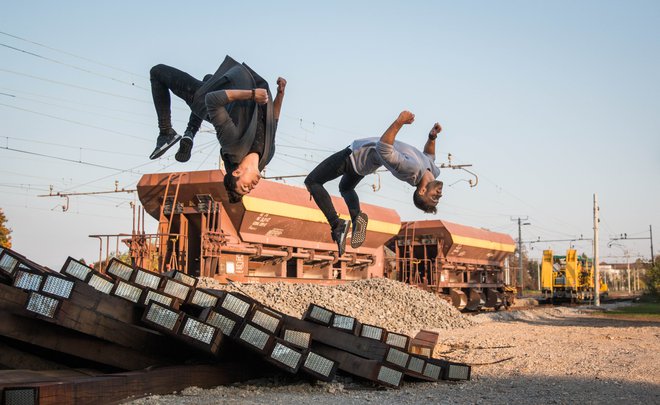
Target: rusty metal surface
[
  {"x": 461, "y": 243},
  {"x": 272, "y": 214}
]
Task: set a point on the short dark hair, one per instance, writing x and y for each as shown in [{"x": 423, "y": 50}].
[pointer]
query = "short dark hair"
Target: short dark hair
[
  {"x": 425, "y": 204},
  {"x": 230, "y": 184}
]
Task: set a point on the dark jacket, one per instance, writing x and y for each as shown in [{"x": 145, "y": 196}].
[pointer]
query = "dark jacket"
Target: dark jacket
[{"x": 236, "y": 122}]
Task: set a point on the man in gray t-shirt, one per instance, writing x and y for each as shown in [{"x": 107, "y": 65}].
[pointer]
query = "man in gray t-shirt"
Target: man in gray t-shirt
[{"x": 365, "y": 156}]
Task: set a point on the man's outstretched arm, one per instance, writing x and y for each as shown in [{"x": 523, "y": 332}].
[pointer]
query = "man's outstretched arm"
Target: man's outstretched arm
[
  {"x": 405, "y": 117},
  {"x": 429, "y": 148},
  {"x": 277, "y": 103}
]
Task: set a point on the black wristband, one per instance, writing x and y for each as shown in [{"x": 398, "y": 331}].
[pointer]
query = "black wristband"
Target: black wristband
[
  {"x": 432, "y": 136},
  {"x": 253, "y": 95}
]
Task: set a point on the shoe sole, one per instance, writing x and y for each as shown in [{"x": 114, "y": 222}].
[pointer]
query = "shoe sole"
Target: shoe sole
[
  {"x": 359, "y": 230},
  {"x": 341, "y": 244},
  {"x": 158, "y": 152},
  {"x": 185, "y": 147}
]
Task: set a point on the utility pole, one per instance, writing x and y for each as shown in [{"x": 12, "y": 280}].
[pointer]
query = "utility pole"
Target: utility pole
[
  {"x": 520, "y": 258},
  {"x": 651, "y": 237},
  {"x": 596, "y": 268}
]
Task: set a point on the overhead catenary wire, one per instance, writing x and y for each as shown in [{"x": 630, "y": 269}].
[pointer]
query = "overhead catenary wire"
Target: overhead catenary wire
[
  {"x": 315, "y": 124},
  {"x": 71, "y": 66},
  {"x": 71, "y": 54},
  {"x": 77, "y": 123}
]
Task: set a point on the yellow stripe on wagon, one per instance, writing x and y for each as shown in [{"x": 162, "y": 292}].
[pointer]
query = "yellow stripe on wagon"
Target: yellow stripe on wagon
[
  {"x": 287, "y": 210},
  {"x": 481, "y": 243}
]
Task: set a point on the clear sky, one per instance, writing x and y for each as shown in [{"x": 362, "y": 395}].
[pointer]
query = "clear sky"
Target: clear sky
[{"x": 550, "y": 101}]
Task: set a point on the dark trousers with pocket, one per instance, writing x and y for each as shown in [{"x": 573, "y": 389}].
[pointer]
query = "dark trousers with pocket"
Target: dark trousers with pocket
[
  {"x": 165, "y": 79},
  {"x": 338, "y": 164}
]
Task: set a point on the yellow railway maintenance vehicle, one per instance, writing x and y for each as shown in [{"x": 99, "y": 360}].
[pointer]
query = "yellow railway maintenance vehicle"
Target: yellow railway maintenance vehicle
[{"x": 568, "y": 278}]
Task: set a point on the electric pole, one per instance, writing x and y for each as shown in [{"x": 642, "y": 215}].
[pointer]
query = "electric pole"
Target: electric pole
[
  {"x": 651, "y": 237},
  {"x": 596, "y": 269},
  {"x": 520, "y": 258}
]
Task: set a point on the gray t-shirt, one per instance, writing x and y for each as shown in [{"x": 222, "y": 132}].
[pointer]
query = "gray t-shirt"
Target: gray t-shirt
[{"x": 406, "y": 162}]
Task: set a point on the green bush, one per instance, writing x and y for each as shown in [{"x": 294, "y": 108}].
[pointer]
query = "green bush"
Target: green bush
[{"x": 653, "y": 279}]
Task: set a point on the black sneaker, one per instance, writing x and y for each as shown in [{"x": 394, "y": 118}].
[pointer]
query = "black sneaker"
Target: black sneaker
[
  {"x": 339, "y": 233},
  {"x": 164, "y": 142},
  {"x": 359, "y": 230},
  {"x": 185, "y": 147}
]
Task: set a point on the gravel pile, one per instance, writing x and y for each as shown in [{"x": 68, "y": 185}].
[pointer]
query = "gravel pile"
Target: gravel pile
[{"x": 389, "y": 304}]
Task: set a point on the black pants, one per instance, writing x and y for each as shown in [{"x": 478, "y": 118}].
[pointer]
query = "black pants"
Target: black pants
[
  {"x": 165, "y": 79},
  {"x": 338, "y": 164}
]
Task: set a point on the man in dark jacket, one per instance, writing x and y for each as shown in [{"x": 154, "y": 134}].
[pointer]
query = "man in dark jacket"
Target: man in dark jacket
[{"x": 237, "y": 101}]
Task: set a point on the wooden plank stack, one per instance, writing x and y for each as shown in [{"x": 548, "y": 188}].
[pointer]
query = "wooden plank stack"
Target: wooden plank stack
[{"x": 135, "y": 331}]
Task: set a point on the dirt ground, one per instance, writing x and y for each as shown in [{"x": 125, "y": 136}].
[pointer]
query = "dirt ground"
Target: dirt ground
[{"x": 539, "y": 356}]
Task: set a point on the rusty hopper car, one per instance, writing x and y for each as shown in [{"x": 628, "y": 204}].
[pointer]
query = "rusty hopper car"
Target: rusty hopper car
[
  {"x": 467, "y": 265},
  {"x": 275, "y": 234}
]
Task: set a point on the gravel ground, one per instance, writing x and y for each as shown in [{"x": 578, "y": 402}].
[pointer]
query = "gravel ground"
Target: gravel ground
[{"x": 536, "y": 356}]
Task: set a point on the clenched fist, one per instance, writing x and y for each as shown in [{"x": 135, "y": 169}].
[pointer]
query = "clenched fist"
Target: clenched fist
[
  {"x": 281, "y": 84},
  {"x": 406, "y": 117}
]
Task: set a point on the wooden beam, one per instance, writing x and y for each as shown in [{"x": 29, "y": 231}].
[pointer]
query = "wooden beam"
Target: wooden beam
[
  {"x": 114, "y": 388},
  {"x": 70, "y": 342},
  {"x": 360, "y": 346}
]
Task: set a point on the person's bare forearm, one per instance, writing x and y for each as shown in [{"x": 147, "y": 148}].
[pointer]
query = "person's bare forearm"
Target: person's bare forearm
[
  {"x": 388, "y": 137},
  {"x": 429, "y": 147},
  {"x": 277, "y": 103},
  {"x": 258, "y": 95}
]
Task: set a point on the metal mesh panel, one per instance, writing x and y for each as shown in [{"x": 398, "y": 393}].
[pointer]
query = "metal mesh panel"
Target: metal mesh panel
[
  {"x": 27, "y": 281},
  {"x": 268, "y": 322},
  {"x": 42, "y": 305},
  {"x": 318, "y": 364},
  {"x": 20, "y": 396},
  {"x": 184, "y": 278},
  {"x": 58, "y": 286},
  {"x": 198, "y": 330},
  {"x": 162, "y": 316},
  {"x": 254, "y": 336},
  {"x": 397, "y": 357},
  {"x": 371, "y": 332},
  {"x": 320, "y": 314},
  {"x": 226, "y": 325},
  {"x": 233, "y": 304},
  {"x": 7, "y": 263},
  {"x": 343, "y": 322},
  {"x": 77, "y": 270},
  {"x": 176, "y": 289},
  {"x": 416, "y": 364},
  {"x": 396, "y": 340},
  {"x": 100, "y": 284},
  {"x": 389, "y": 376},
  {"x": 120, "y": 270},
  {"x": 285, "y": 355},
  {"x": 204, "y": 299},
  {"x": 155, "y": 296},
  {"x": 127, "y": 291},
  {"x": 458, "y": 372},
  {"x": 297, "y": 338},
  {"x": 432, "y": 371},
  {"x": 147, "y": 279}
]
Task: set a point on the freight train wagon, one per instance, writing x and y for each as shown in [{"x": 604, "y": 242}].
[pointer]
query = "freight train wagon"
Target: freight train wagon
[
  {"x": 467, "y": 265},
  {"x": 278, "y": 234}
]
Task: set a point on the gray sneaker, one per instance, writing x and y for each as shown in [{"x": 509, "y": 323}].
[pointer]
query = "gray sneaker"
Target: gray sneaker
[
  {"x": 164, "y": 142},
  {"x": 359, "y": 230}
]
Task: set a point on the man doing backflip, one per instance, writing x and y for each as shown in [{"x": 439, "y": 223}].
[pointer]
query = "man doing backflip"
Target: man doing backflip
[
  {"x": 365, "y": 156},
  {"x": 237, "y": 101}
]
